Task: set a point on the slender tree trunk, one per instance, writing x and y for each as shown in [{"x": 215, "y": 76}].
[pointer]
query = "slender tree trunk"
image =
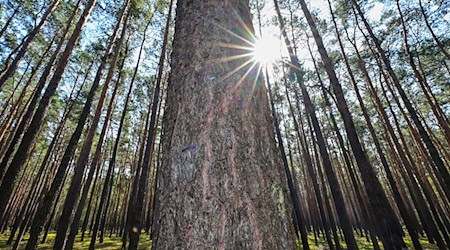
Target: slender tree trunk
[
  {"x": 30, "y": 135},
  {"x": 389, "y": 228},
  {"x": 292, "y": 189},
  {"x": 99, "y": 172},
  {"x": 8, "y": 22},
  {"x": 110, "y": 168},
  {"x": 77, "y": 177},
  {"x": 49, "y": 197},
  {"x": 49, "y": 218},
  {"x": 440, "y": 116},
  {"x": 12, "y": 68},
  {"x": 133, "y": 78},
  {"x": 436, "y": 39},
  {"x": 312, "y": 175},
  {"x": 419, "y": 203},
  {"x": 141, "y": 188},
  {"x": 332, "y": 179},
  {"x": 24, "y": 121},
  {"x": 42, "y": 169},
  {"x": 404, "y": 213},
  {"x": 432, "y": 150},
  {"x": 19, "y": 100}
]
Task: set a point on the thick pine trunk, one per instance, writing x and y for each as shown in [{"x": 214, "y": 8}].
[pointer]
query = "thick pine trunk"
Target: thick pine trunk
[{"x": 222, "y": 184}]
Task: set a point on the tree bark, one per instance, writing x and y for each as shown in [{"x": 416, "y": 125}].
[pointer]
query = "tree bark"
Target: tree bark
[{"x": 220, "y": 173}]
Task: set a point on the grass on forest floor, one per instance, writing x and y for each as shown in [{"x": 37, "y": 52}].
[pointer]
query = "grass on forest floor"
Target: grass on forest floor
[
  {"x": 362, "y": 243},
  {"x": 108, "y": 243},
  {"x": 145, "y": 243}
]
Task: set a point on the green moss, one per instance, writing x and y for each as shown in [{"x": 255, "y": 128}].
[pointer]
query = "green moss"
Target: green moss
[
  {"x": 145, "y": 243},
  {"x": 108, "y": 243},
  {"x": 362, "y": 243}
]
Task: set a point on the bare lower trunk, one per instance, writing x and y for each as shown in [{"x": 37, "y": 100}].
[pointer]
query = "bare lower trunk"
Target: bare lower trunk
[{"x": 222, "y": 184}]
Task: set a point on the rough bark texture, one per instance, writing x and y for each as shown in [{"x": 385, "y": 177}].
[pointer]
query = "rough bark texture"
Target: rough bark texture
[{"x": 222, "y": 183}]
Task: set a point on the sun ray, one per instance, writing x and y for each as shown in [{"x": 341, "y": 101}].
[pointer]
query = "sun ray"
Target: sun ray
[
  {"x": 266, "y": 50},
  {"x": 235, "y": 70},
  {"x": 236, "y": 35},
  {"x": 260, "y": 66},
  {"x": 235, "y": 46},
  {"x": 232, "y": 58},
  {"x": 245, "y": 75}
]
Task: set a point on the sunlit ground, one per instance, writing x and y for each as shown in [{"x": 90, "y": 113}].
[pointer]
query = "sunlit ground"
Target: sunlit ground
[
  {"x": 362, "y": 243},
  {"x": 115, "y": 243}
]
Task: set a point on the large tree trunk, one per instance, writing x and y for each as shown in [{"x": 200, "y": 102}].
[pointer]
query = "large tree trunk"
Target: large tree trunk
[{"x": 222, "y": 184}]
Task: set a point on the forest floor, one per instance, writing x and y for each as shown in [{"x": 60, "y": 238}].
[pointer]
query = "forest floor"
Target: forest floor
[
  {"x": 363, "y": 243},
  {"x": 116, "y": 243},
  {"x": 113, "y": 243}
]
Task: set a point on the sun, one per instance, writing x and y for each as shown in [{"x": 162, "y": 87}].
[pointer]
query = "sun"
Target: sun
[{"x": 266, "y": 50}]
